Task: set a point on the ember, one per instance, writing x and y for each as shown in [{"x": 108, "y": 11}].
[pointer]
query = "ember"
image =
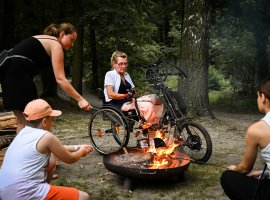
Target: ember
[{"x": 139, "y": 160}]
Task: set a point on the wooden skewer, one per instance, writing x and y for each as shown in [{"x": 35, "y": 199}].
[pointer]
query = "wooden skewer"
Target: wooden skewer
[{"x": 125, "y": 150}]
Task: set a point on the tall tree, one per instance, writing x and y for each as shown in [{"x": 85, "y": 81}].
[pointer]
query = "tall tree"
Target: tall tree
[
  {"x": 258, "y": 16},
  {"x": 7, "y": 24},
  {"x": 77, "y": 69},
  {"x": 194, "y": 57}
]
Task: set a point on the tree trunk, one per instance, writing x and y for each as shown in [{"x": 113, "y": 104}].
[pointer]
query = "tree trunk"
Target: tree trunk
[
  {"x": 7, "y": 25},
  {"x": 77, "y": 63},
  {"x": 194, "y": 51},
  {"x": 95, "y": 74},
  {"x": 261, "y": 39}
]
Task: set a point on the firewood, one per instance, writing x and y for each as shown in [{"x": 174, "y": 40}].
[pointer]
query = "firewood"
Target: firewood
[
  {"x": 7, "y": 120},
  {"x": 2, "y": 155},
  {"x": 5, "y": 140}
]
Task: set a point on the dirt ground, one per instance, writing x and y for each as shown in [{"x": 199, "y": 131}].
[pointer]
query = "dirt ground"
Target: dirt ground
[{"x": 201, "y": 181}]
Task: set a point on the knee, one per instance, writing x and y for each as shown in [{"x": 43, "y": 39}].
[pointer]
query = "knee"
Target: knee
[
  {"x": 224, "y": 177},
  {"x": 83, "y": 195},
  {"x": 227, "y": 179}
]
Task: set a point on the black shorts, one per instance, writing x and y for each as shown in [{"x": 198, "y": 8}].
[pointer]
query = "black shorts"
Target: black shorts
[{"x": 18, "y": 87}]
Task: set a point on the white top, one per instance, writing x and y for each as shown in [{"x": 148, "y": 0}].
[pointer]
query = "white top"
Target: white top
[
  {"x": 265, "y": 152},
  {"x": 114, "y": 79},
  {"x": 23, "y": 172}
]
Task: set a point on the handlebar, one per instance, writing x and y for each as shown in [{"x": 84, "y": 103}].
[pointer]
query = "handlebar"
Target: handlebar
[{"x": 155, "y": 66}]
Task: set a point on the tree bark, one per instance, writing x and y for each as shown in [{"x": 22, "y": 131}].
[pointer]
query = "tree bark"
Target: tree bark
[
  {"x": 194, "y": 51},
  {"x": 77, "y": 63},
  {"x": 7, "y": 25},
  {"x": 261, "y": 38},
  {"x": 95, "y": 71}
]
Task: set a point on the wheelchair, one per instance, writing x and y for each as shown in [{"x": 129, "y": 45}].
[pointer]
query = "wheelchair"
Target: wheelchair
[{"x": 110, "y": 129}]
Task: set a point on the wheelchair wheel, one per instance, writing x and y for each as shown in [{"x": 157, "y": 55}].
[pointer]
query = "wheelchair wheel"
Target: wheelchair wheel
[
  {"x": 196, "y": 141},
  {"x": 108, "y": 130}
]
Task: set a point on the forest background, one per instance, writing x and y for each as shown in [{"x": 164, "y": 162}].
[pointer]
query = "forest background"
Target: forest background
[{"x": 221, "y": 45}]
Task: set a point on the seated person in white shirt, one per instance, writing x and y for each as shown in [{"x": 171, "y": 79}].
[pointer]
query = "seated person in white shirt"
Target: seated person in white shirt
[{"x": 117, "y": 85}]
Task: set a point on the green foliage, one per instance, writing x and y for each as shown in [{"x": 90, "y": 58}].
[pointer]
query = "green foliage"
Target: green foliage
[
  {"x": 233, "y": 54},
  {"x": 217, "y": 80},
  {"x": 229, "y": 101}
]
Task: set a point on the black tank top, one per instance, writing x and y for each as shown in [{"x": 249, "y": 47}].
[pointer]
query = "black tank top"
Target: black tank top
[{"x": 33, "y": 49}]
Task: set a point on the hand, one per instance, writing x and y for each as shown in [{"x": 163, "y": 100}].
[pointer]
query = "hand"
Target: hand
[
  {"x": 255, "y": 174},
  {"x": 83, "y": 104},
  {"x": 85, "y": 148},
  {"x": 232, "y": 167},
  {"x": 130, "y": 94}
]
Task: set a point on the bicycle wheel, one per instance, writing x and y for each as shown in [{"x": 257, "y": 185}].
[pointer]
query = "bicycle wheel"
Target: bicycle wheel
[
  {"x": 108, "y": 130},
  {"x": 197, "y": 143}
]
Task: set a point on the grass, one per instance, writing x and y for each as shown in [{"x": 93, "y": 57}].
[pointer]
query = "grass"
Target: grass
[{"x": 226, "y": 100}]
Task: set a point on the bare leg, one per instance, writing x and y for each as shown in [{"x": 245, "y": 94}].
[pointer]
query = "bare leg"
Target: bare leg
[
  {"x": 21, "y": 122},
  {"x": 51, "y": 168},
  {"x": 83, "y": 195}
]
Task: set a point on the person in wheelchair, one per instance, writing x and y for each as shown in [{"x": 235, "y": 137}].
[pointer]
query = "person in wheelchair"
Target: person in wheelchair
[{"x": 119, "y": 91}]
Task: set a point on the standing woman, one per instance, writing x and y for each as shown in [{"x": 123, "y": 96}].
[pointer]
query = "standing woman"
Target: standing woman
[
  {"x": 240, "y": 182},
  {"x": 28, "y": 59}
]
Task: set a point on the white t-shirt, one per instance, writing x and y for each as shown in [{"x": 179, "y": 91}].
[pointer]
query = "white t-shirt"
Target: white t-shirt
[
  {"x": 265, "y": 152},
  {"x": 114, "y": 79},
  {"x": 23, "y": 172}
]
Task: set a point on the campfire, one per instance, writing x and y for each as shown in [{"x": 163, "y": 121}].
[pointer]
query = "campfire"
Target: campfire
[
  {"x": 153, "y": 158},
  {"x": 163, "y": 162},
  {"x": 165, "y": 157}
]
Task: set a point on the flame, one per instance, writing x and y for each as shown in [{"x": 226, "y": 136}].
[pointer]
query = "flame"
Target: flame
[
  {"x": 152, "y": 149},
  {"x": 169, "y": 150},
  {"x": 164, "y": 157},
  {"x": 159, "y": 134}
]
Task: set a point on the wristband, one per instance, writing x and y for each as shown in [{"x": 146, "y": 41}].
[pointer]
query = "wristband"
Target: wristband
[
  {"x": 75, "y": 147},
  {"x": 126, "y": 95}
]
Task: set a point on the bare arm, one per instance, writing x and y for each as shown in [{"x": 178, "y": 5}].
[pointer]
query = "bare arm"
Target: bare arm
[
  {"x": 57, "y": 56},
  {"x": 67, "y": 154},
  {"x": 114, "y": 95},
  {"x": 251, "y": 151}
]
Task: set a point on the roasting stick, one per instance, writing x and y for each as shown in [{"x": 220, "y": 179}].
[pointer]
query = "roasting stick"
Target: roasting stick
[
  {"x": 125, "y": 150},
  {"x": 201, "y": 163}
]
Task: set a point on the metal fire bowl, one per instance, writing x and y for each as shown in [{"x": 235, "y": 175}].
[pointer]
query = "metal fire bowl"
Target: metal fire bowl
[{"x": 135, "y": 167}]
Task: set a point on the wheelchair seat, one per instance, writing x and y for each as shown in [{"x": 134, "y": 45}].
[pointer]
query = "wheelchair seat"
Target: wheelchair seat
[{"x": 130, "y": 114}]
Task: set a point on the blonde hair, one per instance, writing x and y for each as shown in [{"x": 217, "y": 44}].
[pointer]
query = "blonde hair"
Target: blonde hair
[
  {"x": 117, "y": 54},
  {"x": 55, "y": 30}
]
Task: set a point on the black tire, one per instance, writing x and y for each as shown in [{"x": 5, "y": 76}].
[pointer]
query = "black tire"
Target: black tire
[
  {"x": 179, "y": 102},
  {"x": 196, "y": 141},
  {"x": 108, "y": 130}
]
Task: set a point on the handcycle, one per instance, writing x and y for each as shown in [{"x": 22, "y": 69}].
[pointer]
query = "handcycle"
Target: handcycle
[{"x": 110, "y": 129}]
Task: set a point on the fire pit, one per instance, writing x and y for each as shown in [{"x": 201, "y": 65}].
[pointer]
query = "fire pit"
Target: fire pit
[{"x": 137, "y": 163}]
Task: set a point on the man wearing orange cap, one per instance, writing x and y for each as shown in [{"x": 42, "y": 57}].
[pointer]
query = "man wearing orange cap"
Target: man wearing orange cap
[{"x": 29, "y": 162}]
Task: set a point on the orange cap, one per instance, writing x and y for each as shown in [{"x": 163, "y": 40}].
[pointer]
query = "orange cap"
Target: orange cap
[{"x": 38, "y": 109}]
